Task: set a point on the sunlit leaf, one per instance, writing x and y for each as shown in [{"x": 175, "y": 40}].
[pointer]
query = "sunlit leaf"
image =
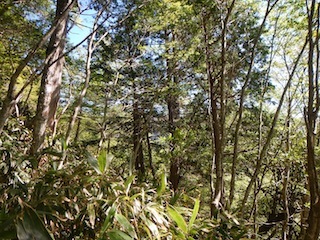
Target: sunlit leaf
[
  {"x": 93, "y": 162},
  {"x": 128, "y": 183},
  {"x": 104, "y": 160},
  {"x": 136, "y": 207},
  {"x": 157, "y": 217},
  {"x": 194, "y": 212},
  {"x": 146, "y": 229},
  {"x": 177, "y": 217},
  {"x": 153, "y": 228},
  {"x": 123, "y": 221}
]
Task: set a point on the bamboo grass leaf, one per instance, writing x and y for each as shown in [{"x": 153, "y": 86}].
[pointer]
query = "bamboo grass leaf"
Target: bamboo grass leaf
[
  {"x": 194, "y": 213},
  {"x": 177, "y": 217}
]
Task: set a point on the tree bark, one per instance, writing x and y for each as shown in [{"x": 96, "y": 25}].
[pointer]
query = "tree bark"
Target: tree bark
[
  {"x": 51, "y": 79},
  {"x": 173, "y": 113},
  {"x": 11, "y": 98},
  {"x": 137, "y": 136},
  {"x": 216, "y": 140},
  {"x": 311, "y": 113},
  {"x": 173, "y": 108},
  {"x": 286, "y": 175}
]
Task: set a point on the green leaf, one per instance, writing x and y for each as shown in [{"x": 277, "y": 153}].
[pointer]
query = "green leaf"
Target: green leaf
[
  {"x": 93, "y": 162},
  {"x": 118, "y": 235},
  {"x": 163, "y": 183},
  {"x": 109, "y": 219},
  {"x": 128, "y": 183},
  {"x": 194, "y": 213},
  {"x": 123, "y": 221},
  {"x": 104, "y": 161},
  {"x": 177, "y": 217},
  {"x": 31, "y": 226},
  {"x": 64, "y": 145}
]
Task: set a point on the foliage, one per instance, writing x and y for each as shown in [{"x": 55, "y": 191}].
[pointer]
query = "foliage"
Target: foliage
[
  {"x": 148, "y": 99},
  {"x": 85, "y": 200}
]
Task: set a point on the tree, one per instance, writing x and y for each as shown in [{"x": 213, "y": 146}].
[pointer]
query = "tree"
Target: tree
[
  {"x": 20, "y": 57},
  {"x": 169, "y": 27},
  {"x": 311, "y": 114},
  {"x": 224, "y": 72},
  {"x": 92, "y": 45},
  {"x": 248, "y": 78},
  {"x": 49, "y": 94}
]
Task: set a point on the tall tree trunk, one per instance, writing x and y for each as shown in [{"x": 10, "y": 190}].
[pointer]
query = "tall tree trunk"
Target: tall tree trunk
[
  {"x": 11, "y": 98},
  {"x": 173, "y": 113},
  {"x": 216, "y": 169},
  {"x": 311, "y": 113},
  {"x": 138, "y": 157},
  {"x": 286, "y": 175},
  {"x": 173, "y": 109},
  {"x": 51, "y": 79},
  {"x": 218, "y": 100}
]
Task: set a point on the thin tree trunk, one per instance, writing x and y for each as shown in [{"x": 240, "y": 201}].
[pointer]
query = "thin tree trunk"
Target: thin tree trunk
[
  {"x": 217, "y": 114},
  {"x": 216, "y": 169},
  {"x": 105, "y": 111},
  {"x": 77, "y": 135},
  {"x": 173, "y": 109},
  {"x": 51, "y": 79},
  {"x": 285, "y": 200},
  {"x": 83, "y": 92},
  {"x": 270, "y": 134},
  {"x": 150, "y": 154},
  {"x": 256, "y": 187},
  {"x": 241, "y": 104},
  {"x": 255, "y": 212},
  {"x": 286, "y": 175}
]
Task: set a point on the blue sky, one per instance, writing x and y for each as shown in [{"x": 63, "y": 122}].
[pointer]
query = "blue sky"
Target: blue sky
[{"x": 82, "y": 27}]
